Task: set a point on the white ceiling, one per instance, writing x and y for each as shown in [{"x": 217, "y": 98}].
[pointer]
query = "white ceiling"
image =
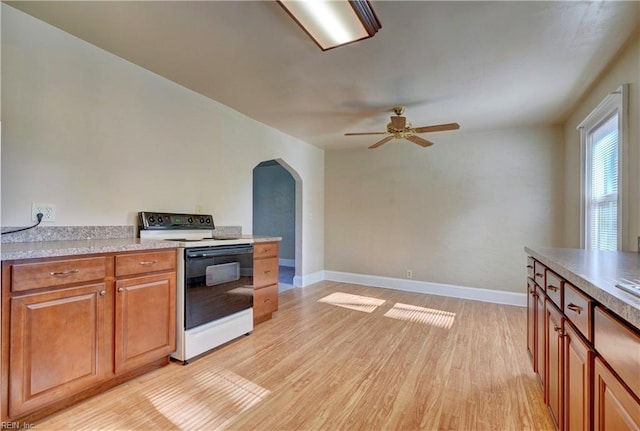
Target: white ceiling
[{"x": 484, "y": 65}]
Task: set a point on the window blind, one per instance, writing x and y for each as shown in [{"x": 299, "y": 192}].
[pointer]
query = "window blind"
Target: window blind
[{"x": 603, "y": 179}]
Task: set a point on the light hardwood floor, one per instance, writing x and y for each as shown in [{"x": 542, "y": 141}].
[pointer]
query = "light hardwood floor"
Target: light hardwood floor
[{"x": 449, "y": 365}]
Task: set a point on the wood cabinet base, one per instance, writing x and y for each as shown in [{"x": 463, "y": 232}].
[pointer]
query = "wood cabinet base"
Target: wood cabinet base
[
  {"x": 265, "y": 281},
  {"x": 74, "y": 328}
]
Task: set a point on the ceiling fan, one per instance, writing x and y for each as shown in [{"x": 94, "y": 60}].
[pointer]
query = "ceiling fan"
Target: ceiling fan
[{"x": 400, "y": 128}]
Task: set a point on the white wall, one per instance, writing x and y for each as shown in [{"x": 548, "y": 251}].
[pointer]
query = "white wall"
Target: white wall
[
  {"x": 459, "y": 212},
  {"x": 102, "y": 139},
  {"x": 625, "y": 69}
]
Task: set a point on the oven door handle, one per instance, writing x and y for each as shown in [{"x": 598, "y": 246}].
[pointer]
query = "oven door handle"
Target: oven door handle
[{"x": 218, "y": 254}]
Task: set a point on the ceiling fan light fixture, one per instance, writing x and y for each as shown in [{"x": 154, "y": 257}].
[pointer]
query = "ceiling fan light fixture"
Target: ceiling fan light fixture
[{"x": 333, "y": 23}]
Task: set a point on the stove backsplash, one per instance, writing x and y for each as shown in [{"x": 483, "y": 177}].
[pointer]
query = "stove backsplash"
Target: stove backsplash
[
  {"x": 74, "y": 233},
  {"x": 228, "y": 230}
]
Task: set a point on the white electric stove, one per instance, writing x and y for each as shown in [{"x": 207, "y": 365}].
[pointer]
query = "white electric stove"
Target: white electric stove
[{"x": 214, "y": 301}]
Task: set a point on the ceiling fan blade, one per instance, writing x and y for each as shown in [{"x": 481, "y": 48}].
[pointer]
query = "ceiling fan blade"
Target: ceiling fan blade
[
  {"x": 420, "y": 141},
  {"x": 382, "y": 142},
  {"x": 398, "y": 123},
  {"x": 365, "y": 133},
  {"x": 437, "y": 128}
]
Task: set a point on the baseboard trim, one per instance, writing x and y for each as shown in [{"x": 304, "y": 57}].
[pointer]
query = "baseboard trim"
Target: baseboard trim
[
  {"x": 287, "y": 262},
  {"x": 463, "y": 292},
  {"x": 309, "y": 279}
]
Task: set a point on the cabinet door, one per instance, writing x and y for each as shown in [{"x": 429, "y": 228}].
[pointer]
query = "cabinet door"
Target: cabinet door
[
  {"x": 145, "y": 320},
  {"x": 578, "y": 360},
  {"x": 56, "y": 341},
  {"x": 615, "y": 407},
  {"x": 531, "y": 322},
  {"x": 541, "y": 336},
  {"x": 554, "y": 362}
]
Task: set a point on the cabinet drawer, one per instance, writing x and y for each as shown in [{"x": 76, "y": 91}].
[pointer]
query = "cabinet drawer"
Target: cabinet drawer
[
  {"x": 140, "y": 263},
  {"x": 577, "y": 307},
  {"x": 538, "y": 273},
  {"x": 28, "y": 276},
  {"x": 265, "y": 249},
  {"x": 265, "y": 271},
  {"x": 265, "y": 300},
  {"x": 619, "y": 346},
  {"x": 530, "y": 264},
  {"x": 553, "y": 287}
]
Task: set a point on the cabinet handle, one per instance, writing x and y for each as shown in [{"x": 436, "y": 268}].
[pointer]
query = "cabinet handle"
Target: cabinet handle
[
  {"x": 120, "y": 289},
  {"x": 530, "y": 266},
  {"x": 64, "y": 273},
  {"x": 103, "y": 292},
  {"x": 532, "y": 291},
  {"x": 575, "y": 308},
  {"x": 538, "y": 274},
  {"x": 148, "y": 262},
  {"x": 552, "y": 288}
]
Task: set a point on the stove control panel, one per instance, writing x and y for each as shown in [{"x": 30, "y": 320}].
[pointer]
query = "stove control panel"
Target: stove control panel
[{"x": 158, "y": 221}]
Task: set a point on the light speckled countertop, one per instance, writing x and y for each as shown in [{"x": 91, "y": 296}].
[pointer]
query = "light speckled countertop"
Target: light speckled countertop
[
  {"x": 596, "y": 273},
  {"x": 37, "y": 249}
]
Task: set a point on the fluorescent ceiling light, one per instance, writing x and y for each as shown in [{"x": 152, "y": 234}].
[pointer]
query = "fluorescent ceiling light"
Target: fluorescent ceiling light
[{"x": 332, "y": 23}]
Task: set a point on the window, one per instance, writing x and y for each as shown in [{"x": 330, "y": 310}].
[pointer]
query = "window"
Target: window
[{"x": 601, "y": 135}]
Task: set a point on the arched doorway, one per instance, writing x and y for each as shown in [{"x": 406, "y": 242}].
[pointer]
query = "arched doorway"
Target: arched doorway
[{"x": 277, "y": 207}]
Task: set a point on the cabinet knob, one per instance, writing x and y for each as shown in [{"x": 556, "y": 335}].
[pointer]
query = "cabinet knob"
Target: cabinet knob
[
  {"x": 120, "y": 289},
  {"x": 103, "y": 292}
]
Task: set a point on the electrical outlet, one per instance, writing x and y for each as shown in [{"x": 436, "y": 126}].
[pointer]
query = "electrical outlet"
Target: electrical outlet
[
  {"x": 409, "y": 273},
  {"x": 48, "y": 212}
]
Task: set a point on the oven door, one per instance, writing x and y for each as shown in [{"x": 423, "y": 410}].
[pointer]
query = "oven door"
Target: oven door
[{"x": 218, "y": 282}]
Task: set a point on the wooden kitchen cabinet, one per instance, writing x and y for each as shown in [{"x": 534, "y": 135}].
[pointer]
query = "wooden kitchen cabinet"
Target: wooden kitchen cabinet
[
  {"x": 57, "y": 339},
  {"x": 615, "y": 407},
  {"x": 69, "y": 332},
  {"x": 532, "y": 337},
  {"x": 145, "y": 309},
  {"x": 554, "y": 362},
  {"x": 541, "y": 337},
  {"x": 578, "y": 365},
  {"x": 536, "y": 332},
  {"x": 265, "y": 281},
  {"x": 617, "y": 373},
  {"x": 591, "y": 358}
]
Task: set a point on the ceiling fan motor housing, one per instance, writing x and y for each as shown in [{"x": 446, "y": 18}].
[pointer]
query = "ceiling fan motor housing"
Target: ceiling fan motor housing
[{"x": 398, "y": 125}]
